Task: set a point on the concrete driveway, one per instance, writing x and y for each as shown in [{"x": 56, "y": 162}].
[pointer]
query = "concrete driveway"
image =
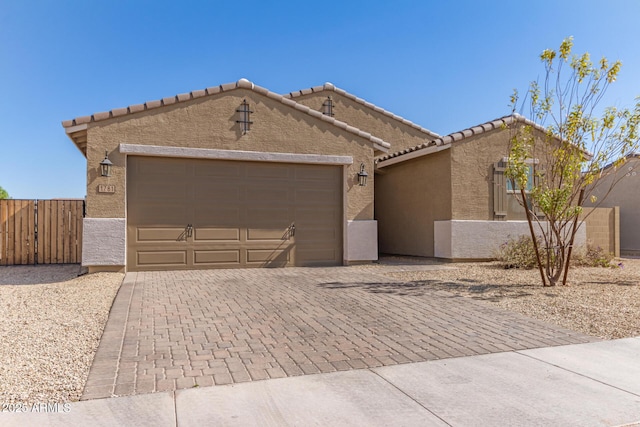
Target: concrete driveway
[{"x": 178, "y": 330}]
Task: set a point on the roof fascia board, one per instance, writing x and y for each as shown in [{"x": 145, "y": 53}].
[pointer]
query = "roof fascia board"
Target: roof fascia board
[{"x": 412, "y": 155}]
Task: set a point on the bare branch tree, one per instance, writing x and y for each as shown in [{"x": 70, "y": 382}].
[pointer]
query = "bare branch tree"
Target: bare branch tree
[{"x": 560, "y": 151}]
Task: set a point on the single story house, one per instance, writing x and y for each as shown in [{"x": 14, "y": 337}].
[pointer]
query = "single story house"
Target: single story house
[
  {"x": 620, "y": 186},
  {"x": 232, "y": 176},
  {"x": 238, "y": 176}
]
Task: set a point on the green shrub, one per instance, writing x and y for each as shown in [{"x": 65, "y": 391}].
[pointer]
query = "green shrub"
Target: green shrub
[{"x": 517, "y": 253}]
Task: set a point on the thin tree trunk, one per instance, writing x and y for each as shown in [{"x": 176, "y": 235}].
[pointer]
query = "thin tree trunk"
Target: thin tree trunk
[
  {"x": 533, "y": 236},
  {"x": 573, "y": 236}
]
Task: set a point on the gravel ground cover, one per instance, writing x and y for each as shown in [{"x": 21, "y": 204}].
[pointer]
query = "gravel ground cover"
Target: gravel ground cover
[
  {"x": 51, "y": 322},
  {"x": 601, "y": 302}
]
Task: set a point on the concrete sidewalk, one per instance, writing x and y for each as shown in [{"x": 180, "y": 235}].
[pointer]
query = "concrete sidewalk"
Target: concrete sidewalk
[{"x": 594, "y": 384}]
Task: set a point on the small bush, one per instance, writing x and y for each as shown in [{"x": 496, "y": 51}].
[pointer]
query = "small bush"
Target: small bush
[
  {"x": 517, "y": 253},
  {"x": 593, "y": 256}
]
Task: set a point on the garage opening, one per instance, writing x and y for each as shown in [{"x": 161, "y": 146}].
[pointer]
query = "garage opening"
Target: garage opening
[{"x": 197, "y": 214}]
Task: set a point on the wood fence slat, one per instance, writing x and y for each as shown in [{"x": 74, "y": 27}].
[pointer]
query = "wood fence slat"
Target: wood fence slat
[
  {"x": 54, "y": 233},
  {"x": 67, "y": 231},
  {"x": 32, "y": 231},
  {"x": 24, "y": 231},
  {"x": 80, "y": 223},
  {"x": 3, "y": 232},
  {"x": 12, "y": 232},
  {"x": 46, "y": 246},
  {"x": 60, "y": 242},
  {"x": 39, "y": 255},
  {"x": 17, "y": 225}
]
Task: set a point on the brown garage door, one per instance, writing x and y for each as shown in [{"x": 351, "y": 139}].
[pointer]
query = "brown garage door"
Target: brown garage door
[{"x": 186, "y": 213}]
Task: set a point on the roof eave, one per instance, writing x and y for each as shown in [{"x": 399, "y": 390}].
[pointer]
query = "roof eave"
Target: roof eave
[{"x": 78, "y": 123}]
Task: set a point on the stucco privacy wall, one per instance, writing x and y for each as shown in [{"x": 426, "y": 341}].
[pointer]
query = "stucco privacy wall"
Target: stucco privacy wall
[
  {"x": 476, "y": 240},
  {"x": 410, "y": 196},
  {"x": 603, "y": 228},
  {"x": 363, "y": 115}
]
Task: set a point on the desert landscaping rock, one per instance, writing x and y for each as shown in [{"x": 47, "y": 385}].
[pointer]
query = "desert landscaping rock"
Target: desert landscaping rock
[
  {"x": 51, "y": 322},
  {"x": 601, "y": 302}
]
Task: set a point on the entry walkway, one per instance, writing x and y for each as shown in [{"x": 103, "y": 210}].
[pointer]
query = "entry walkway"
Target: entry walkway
[{"x": 174, "y": 330}]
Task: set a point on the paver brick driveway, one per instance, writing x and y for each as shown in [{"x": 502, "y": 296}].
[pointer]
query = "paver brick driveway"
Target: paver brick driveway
[{"x": 173, "y": 330}]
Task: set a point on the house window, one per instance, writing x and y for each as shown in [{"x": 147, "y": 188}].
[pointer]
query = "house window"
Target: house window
[
  {"x": 505, "y": 191},
  {"x": 511, "y": 184}
]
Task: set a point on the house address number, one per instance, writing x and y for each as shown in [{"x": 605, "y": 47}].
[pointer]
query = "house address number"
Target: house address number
[{"x": 104, "y": 188}]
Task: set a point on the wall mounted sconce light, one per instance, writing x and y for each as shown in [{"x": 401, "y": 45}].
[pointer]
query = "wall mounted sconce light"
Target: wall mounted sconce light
[
  {"x": 362, "y": 176},
  {"x": 327, "y": 107},
  {"x": 105, "y": 165},
  {"x": 245, "y": 118}
]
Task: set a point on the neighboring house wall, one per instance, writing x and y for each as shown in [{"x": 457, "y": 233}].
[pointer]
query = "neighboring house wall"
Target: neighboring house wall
[
  {"x": 390, "y": 129},
  {"x": 626, "y": 195},
  {"x": 410, "y": 196}
]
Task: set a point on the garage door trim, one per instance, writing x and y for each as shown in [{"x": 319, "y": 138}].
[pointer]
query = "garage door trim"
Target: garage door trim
[{"x": 214, "y": 154}]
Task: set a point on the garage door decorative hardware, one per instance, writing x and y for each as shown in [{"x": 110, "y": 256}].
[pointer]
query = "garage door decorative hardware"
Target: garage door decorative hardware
[
  {"x": 186, "y": 233},
  {"x": 245, "y": 112}
]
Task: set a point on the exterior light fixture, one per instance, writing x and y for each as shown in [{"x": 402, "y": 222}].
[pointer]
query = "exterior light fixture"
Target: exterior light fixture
[
  {"x": 327, "y": 107},
  {"x": 245, "y": 122},
  {"x": 105, "y": 165},
  {"x": 362, "y": 176}
]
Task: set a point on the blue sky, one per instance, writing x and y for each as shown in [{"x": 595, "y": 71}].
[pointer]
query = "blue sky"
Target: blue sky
[{"x": 445, "y": 65}]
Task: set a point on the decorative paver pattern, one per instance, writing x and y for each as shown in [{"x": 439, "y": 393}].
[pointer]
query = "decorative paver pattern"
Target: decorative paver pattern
[{"x": 180, "y": 329}]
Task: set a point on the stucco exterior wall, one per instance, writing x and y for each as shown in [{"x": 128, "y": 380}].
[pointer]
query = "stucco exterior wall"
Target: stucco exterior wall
[
  {"x": 472, "y": 163},
  {"x": 400, "y": 135},
  {"x": 461, "y": 240},
  {"x": 626, "y": 195},
  {"x": 410, "y": 196},
  {"x": 210, "y": 122}
]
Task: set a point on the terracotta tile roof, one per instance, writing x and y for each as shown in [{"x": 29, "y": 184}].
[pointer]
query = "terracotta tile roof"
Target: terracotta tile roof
[
  {"x": 330, "y": 87},
  {"x": 445, "y": 141},
  {"x": 76, "y": 128}
]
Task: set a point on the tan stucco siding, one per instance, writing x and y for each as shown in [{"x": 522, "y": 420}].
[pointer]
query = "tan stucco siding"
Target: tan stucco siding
[
  {"x": 472, "y": 163},
  {"x": 211, "y": 123},
  {"x": 626, "y": 195},
  {"x": 400, "y": 135},
  {"x": 410, "y": 196}
]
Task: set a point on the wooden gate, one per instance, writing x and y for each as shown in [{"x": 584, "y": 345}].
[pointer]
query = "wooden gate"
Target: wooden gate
[{"x": 41, "y": 231}]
